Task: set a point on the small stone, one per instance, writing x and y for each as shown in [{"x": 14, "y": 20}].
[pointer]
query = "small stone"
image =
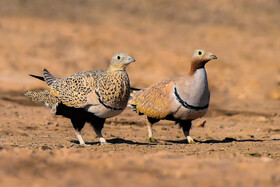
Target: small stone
[
  {"x": 45, "y": 147},
  {"x": 255, "y": 154},
  {"x": 71, "y": 145},
  {"x": 262, "y": 119},
  {"x": 201, "y": 124},
  {"x": 60, "y": 146}
]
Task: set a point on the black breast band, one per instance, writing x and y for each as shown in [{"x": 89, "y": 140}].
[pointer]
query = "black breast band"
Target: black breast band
[{"x": 107, "y": 106}]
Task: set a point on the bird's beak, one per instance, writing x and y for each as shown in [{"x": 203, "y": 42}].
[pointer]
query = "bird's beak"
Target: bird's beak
[
  {"x": 131, "y": 60},
  {"x": 213, "y": 57}
]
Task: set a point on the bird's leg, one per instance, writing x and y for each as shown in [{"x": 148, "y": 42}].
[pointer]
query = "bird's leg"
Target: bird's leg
[
  {"x": 98, "y": 124},
  {"x": 150, "y": 122},
  {"x": 79, "y": 136},
  {"x": 150, "y": 133},
  {"x": 101, "y": 138},
  {"x": 186, "y": 126},
  {"x": 78, "y": 124}
]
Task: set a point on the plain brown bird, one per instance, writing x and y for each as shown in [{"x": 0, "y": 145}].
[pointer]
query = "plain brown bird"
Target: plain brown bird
[{"x": 180, "y": 99}]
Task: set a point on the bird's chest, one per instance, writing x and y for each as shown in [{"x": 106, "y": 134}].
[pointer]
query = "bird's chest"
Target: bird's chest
[
  {"x": 187, "y": 113},
  {"x": 192, "y": 97},
  {"x": 114, "y": 89},
  {"x": 195, "y": 90}
]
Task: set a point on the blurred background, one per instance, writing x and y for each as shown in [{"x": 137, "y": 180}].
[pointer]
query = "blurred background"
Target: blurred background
[{"x": 67, "y": 36}]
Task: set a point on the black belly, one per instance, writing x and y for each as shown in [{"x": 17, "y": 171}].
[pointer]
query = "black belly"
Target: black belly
[
  {"x": 70, "y": 112},
  {"x": 79, "y": 116}
]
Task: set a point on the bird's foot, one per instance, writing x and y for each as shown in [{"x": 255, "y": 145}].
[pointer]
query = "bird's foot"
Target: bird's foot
[
  {"x": 190, "y": 140},
  {"x": 152, "y": 140},
  {"x": 85, "y": 145},
  {"x": 105, "y": 143}
]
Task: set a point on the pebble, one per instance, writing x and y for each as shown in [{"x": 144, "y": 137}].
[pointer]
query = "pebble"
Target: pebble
[
  {"x": 45, "y": 147},
  {"x": 201, "y": 124},
  {"x": 266, "y": 159},
  {"x": 262, "y": 119}
]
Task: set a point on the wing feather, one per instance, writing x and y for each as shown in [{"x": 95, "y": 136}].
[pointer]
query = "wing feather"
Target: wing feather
[
  {"x": 73, "y": 90},
  {"x": 153, "y": 101}
]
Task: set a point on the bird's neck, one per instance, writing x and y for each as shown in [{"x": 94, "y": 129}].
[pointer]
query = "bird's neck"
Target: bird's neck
[
  {"x": 117, "y": 67},
  {"x": 200, "y": 76},
  {"x": 196, "y": 65},
  {"x": 194, "y": 69},
  {"x": 113, "y": 69}
]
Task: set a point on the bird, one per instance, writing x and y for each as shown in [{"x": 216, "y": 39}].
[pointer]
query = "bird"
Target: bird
[
  {"x": 181, "y": 99},
  {"x": 90, "y": 96}
]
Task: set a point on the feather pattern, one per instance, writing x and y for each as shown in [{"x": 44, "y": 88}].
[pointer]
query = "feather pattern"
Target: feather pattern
[
  {"x": 90, "y": 96},
  {"x": 181, "y": 99},
  {"x": 48, "y": 77}
]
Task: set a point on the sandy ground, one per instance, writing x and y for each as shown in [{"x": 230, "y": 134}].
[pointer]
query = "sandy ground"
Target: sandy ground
[{"x": 239, "y": 145}]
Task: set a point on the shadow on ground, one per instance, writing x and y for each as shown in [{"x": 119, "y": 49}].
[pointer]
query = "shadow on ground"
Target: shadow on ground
[
  {"x": 129, "y": 142},
  {"x": 226, "y": 140},
  {"x": 113, "y": 141}
]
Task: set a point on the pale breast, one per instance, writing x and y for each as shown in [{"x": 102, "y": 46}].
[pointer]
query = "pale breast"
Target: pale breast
[
  {"x": 194, "y": 90},
  {"x": 102, "y": 111},
  {"x": 191, "y": 96}
]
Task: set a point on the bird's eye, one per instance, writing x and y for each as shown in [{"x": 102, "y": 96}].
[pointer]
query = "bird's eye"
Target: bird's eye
[
  {"x": 118, "y": 57},
  {"x": 199, "y": 52}
]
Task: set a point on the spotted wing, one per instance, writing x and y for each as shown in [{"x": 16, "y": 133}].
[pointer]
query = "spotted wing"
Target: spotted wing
[
  {"x": 153, "y": 101},
  {"x": 73, "y": 90}
]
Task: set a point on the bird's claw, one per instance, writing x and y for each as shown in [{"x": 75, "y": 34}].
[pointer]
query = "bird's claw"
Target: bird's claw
[
  {"x": 85, "y": 145},
  {"x": 105, "y": 143},
  {"x": 190, "y": 140},
  {"x": 152, "y": 140}
]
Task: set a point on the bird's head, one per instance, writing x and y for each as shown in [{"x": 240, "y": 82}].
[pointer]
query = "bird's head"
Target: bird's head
[
  {"x": 120, "y": 61},
  {"x": 200, "y": 58}
]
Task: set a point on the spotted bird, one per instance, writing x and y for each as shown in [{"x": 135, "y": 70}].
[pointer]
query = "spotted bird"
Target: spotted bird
[{"x": 90, "y": 96}]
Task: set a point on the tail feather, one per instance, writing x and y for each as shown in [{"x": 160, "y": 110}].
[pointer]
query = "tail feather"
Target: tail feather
[
  {"x": 132, "y": 93},
  {"x": 37, "y": 77},
  {"x": 44, "y": 96},
  {"x": 131, "y": 104},
  {"x": 48, "y": 77},
  {"x": 132, "y": 89}
]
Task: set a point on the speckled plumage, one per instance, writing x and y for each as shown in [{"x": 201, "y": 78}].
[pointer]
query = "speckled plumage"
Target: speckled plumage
[
  {"x": 181, "y": 99},
  {"x": 101, "y": 93},
  {"x": 112, "y": 88},
  {"x": 153, "y": 101},
  {"x": 44, "y": 96}
]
